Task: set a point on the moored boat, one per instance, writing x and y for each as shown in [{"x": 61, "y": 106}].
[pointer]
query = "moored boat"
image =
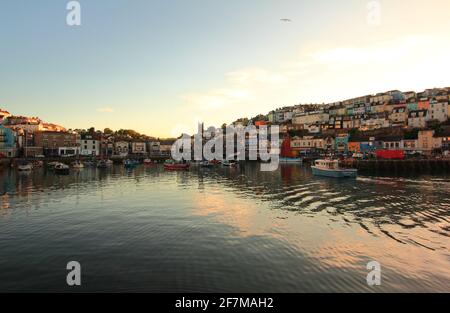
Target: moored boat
[
  {"x": 38, "y": 164},
  {"x": 24, "y": 167},
  {"x": 206, "y": 164},
  {"x": 174, "y": 166},
  {"x": 62, "y": 169},
  {"x": 331, "y": 168},
  {"x": 129, "y": 163},
  {"x": 77, "y": 165},
  {"x": 149, "y": 162},
  {"x": 229, "y": 163},
  {"x": 104, "y": 163}
]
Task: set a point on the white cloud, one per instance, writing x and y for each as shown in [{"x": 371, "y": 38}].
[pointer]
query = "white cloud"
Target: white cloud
[{"x": 105, "y": 110}]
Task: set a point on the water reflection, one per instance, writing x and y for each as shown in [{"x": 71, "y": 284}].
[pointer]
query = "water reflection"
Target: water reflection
[{"x": 278, "y": 231}]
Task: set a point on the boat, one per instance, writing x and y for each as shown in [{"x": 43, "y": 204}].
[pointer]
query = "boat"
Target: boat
[
  {"x": 286, "y": 155},
  {"x": 24, "y": 167},
  {"x": 89, "y": 163},
  {"x": 229, "y": 163},
  {"x": 331, "y": 168},
  {"x": 129, "y": 163},
  {"x": 206, "y": 164},
  {"x": 174, "y": 166},
  {"x": 38, "y": 164},
  {"x": 51, "y": 165},
  {"x": 105, "y": 163},
  {"x": 77, "y": 165},
  {"x": 62, "y": 169},
  {"x": 149, "y": 162}
]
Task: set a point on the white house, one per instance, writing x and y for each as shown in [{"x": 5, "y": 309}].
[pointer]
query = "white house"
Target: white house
[{"x": 89, "y": 145}]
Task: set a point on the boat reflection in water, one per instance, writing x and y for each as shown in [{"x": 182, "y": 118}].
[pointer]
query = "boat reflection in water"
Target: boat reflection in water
[{"x": 222, "y": 230}]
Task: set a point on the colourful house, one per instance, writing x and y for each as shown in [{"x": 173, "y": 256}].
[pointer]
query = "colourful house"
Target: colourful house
[
  {"x": 7, "y": 142},
  {"x": 413, "y": 106},
  {"x": 341, "y": 143},
  {"x": 423, "y": 105},
  {"x": 354, "y": 147}
]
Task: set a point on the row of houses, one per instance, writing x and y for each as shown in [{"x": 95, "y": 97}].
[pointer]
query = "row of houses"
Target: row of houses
[
  {"x": 427, "y": 142},
  {"x": 17, "y": 141},
  {"x": 384, "y": 110}
]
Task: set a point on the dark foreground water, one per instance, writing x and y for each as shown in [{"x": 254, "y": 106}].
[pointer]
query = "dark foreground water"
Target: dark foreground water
[{"x": 222, "y": 230}]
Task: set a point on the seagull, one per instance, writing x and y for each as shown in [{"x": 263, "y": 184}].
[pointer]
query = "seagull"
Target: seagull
[{"x": 287, "y": 20}]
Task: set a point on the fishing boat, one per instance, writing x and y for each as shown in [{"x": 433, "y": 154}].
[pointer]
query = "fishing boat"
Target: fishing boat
[
  {"x": 62, "y": 169},
  {"x": 77, "y": 165},
  {"x": 286, "y": 155},
  {"x": 24, "y": 167},
  {"x": 174, "y": 166},
  {"x": 331, "y": 168}
]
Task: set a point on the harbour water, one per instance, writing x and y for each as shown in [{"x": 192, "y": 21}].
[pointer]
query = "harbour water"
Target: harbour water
[{"x": 222, "y": 230}]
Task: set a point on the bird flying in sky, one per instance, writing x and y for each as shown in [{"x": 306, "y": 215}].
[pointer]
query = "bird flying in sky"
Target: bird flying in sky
[{"x": 287, "y": 20}]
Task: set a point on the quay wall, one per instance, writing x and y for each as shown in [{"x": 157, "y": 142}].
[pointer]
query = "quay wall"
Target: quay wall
[{"x": 397, "y": 166}]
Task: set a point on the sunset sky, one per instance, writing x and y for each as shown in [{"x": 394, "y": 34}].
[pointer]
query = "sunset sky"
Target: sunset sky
[{"x": 159, "y": 66}]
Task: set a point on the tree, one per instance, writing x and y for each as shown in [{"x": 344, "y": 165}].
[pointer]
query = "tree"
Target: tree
[{"x": 108, "y": 131}]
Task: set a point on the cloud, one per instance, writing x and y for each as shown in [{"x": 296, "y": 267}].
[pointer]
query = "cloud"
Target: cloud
[
  {"x": 105, "y": 110},
  {"x": 326, "y": 73}
]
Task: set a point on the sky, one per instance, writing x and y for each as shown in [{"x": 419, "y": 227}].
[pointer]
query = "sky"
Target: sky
[{"x": 161, "y": 66}]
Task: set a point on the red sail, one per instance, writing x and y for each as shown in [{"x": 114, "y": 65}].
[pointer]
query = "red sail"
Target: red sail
[{"x": 286, "y": 150}]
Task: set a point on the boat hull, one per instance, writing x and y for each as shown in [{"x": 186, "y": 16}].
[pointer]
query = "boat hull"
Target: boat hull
[
  {"x": 176, "y": 167},
  {"x": 335, "y": 173},
  {"x": 291, "y": 160},
  {"x": 62, "y": 171}
]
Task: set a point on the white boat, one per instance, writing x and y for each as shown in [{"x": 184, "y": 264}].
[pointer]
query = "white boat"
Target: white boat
[
  {"x": 25, "y": 167},
  {"x": 77, "y": 165},
  {"x": 331, "y": 168}
]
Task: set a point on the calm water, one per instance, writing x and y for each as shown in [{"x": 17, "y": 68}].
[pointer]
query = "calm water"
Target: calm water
[{"x": 222, "y": 230}]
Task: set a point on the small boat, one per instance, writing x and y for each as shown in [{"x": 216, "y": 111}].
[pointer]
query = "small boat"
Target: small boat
[
  {"x": 77, "y": 165},
  {"x": 89, "y": 163},
  {"x": 51, "y": 165},
  {"x": 173, "y": 166},
  {"x": 62, "y": 169},
  {"x": 331, "y": 168},
  {"x": 149, "y": 162},
  {"x": 229, "y": 163},
  {"x": 38, "y": 164},
  {"x": 105, "y": 163},
  {"x": 25, "y": 167},
  {"x": 129, "y": 163},
  {"x": 286, "y": 155},
  {"x": 206, "y": 164}
]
